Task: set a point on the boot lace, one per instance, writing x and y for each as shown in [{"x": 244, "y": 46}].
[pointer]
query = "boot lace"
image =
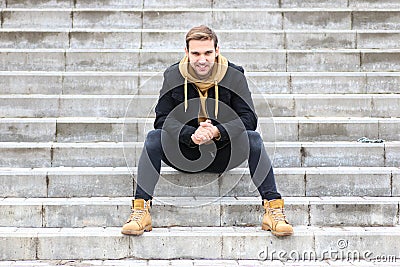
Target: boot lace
[
  {"x": 136, "y": 215},
  {"x": 278, "y": 214}
]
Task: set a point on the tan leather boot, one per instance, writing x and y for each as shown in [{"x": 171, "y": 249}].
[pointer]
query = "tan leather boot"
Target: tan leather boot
[
  {"x": 140, "y": 219},
  {"x": 275, "y": 219}
]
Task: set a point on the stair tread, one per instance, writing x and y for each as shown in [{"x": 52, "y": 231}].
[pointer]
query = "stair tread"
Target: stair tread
[
  {"x": 179, "y": 50},
  {"x": 158, "y": 73},
  {"x": 192, "y": 242},
  {"x": 121, "y": 144},
  {"x": 166, "y": 9},
  {"x": 261, "y": 119},
  {"x": 196, "y": 201},
  {"x": 204, "y": 231},
  {"x": 255, "y": 95},
  {"x": 160, "y": 30},
  {"x": 170, "y": 170},
  {"x": 201, "y": 262}
]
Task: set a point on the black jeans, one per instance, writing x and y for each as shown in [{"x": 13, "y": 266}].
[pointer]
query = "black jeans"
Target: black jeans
[{"x": 160, "y": 146}]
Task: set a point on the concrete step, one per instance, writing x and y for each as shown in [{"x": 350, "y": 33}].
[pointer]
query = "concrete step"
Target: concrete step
[
  {"x": 196, "y": 4},
  {"x": 68, "y": 182},
  {"x": 142, "y": 106},
  {"x": 121, "y": 154},
  {"x": 28, "y": 4},
  {"x": 372, "y": 3},
  {"x": 165, "y": 18},
  {"x": 340, "y": 3},
  {"x": 194, "y": 243},
  {"x": 100, "y": 182},
  {"x": 278, "y": 129},
  {"x": 385, "y": 261},
  {"x": 265, "y": 60},
  {"x": 198, "y": 211},
  {"x": 149, "y": 83},
  {"x": 228, "y": 39},
  {"x": 38, "y": 4}
]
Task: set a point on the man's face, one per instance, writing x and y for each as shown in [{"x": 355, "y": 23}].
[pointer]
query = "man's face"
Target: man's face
[{"x": 202, "y": 56}]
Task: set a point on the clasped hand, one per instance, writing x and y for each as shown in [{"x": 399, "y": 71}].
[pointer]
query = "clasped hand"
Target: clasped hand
[{"x": 205, "y": 133}]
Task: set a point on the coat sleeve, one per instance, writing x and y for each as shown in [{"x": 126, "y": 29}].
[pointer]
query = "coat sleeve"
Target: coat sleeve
[
  {"x": 242, "y": 104},
  {"x": 165, "y": 115}
]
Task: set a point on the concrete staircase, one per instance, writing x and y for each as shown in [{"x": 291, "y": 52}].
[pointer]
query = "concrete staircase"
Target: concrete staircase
[{"x": 78, "y": 84}]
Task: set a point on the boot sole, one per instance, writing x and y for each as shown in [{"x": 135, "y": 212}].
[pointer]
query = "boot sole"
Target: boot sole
[
  {"x": 275, "y": 233},
  {"x": 140, "y": 232}
]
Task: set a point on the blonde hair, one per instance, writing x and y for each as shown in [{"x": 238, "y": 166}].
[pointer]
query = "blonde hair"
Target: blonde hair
[{"x": 201, "y": 32}]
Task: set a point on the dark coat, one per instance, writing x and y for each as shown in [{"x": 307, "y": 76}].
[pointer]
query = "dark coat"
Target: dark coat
[{"x": 236, "y": 110}]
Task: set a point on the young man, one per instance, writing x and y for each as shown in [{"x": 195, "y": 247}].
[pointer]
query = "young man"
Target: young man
[{"x": 205, "y": 121}]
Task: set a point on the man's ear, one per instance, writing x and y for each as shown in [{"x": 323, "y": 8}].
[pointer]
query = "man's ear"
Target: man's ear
[
  {"x": 186, "y": 52},
  {"x": 217, "y": 51}
]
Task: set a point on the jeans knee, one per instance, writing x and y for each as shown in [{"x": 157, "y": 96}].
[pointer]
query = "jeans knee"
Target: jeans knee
[
  {"x": 153, "y": 140},
  {"x": 255, "y": 140}
]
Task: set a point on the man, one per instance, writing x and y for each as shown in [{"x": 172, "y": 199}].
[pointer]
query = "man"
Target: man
[{"x": 205, "y": 121}]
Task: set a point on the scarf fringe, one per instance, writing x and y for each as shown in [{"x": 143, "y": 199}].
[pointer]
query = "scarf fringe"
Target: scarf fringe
[
  {"x": 185, "y": 93},
  {"x": 216, "y": 99}
]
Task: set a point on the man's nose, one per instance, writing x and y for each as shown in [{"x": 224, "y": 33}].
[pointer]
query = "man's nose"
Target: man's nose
[{"x": 202, "y": 59}]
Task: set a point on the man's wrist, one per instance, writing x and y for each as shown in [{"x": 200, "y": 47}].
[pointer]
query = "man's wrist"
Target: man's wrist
[{"x": 217, "y": 134}]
